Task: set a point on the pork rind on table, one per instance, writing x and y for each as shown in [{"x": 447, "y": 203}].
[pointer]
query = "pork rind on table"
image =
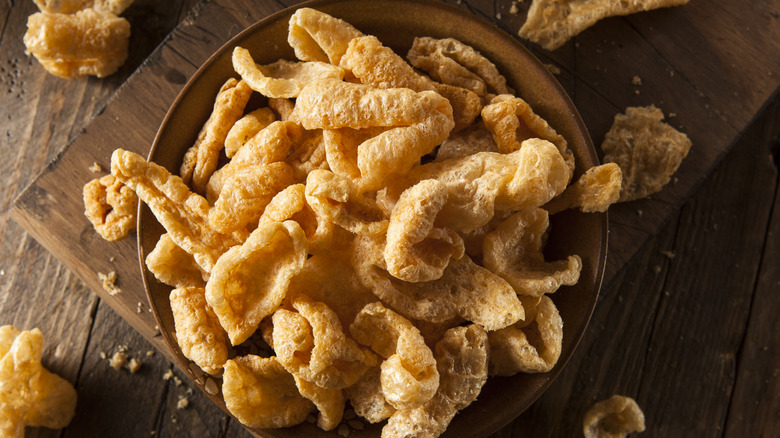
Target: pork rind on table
[
  {"x": 615, "y": 417},
  {"x": 381, "y": 230}
]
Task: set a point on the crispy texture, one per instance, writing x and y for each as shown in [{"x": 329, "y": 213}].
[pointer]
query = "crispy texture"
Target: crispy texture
[
  {"x": 111, "y": 207},
  {"x": 615, "y": 417},
  {"x": 115, "y": 7},
  {"x": 647, "y": 150},
  {"x": 84, "y": 43},
  {"x": 337, "y": 199},
  {"x": 173, "y": 266},
  {"x": 198, "y": 332},
  {"x": 246, "y": 127},
  {"x": 316, "y": 36},
  {"x": 329, "y": 401},
  {"x": 30, "y": 395},
  {"x": 551, "y": 23},
  {"x": 594, "y": 191},
  {"x": 475, "y": 138},
  {"x": 367, "y": 398}
]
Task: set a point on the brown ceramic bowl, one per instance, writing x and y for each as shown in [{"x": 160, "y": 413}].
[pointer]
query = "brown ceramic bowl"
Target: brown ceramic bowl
[{"x": 396, "y": 23}]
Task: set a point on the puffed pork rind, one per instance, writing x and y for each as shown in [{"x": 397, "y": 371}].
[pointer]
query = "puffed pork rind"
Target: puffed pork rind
[
  {"x": 111, "y": 207},
  {"x": 476, "y": 138},
  {"x": 250, "y": 280},
  {"x": 262, "y": 394},
  {"x": 514, "y": 251},
  {"x": 84, "y": 43},
  {"x": 246, "y": 127},
  {"x": 615, "y": 417},
  {"x": 329, "y": 401},
  {"x": 647, "y": 150},
  {"x": 594, "y": 191},
  {"x": 551, "y": 23},
  {"x": 316, "y": 36},
  {"x": 462, "y": 362},
  {"x": 173, "y": 266},
  {"x": 408, "y": 373},
  {"x": 115, "y": 7},
  {"x": 30, "y": 395},
  {"x": 310, "y": 343},
  {"x": 198, "y": 332},
  {"x": 337, "y": 199},
  {"x": 528, "y": 347},
  {"x": 367, "y": 399}
]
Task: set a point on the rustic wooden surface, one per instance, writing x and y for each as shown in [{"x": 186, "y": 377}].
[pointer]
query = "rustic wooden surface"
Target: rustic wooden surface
[{"x": 686, "y": 322}]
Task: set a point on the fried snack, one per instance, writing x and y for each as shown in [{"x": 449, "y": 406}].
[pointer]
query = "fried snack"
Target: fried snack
[
  {"x": 551, "y": 23},
  {"x": 308, "y": 155},
  {"x": 514, "y": 251},
  {"x": 261, "y": 393},
  {"x": 615, "y": 417},
  {"x": 336, "y": 199},
  {"x": 173, "y": 266},
  {"x": 250, "y": 281},
  {"x": 594, "y": 191},
  {"x": 451, "y": 62},
  {"x": 329, "y": 401},
  {"x": 316, "y": 36},
  {"x": 115, "y": 7},
  {"x": 408, "y": 374},
  {"x": 30, "y": 395},
  {"x": 201, "y": 160},
  {"x": 111, "y": 207},
  {"x": 183, "y": 213},
  {"x": 198, "y": 333},
  {"x": 462, "y": 362},
  {"x": 291, "y": 204},
  {"x": 420, "y": 122},
  {"x": 246, "y": 127},
  {"x": 647, "y": 150},
  {"x": 84, "y": 43},
  {"x": 512, "y": 121},
  {"x": 475, "y": 138},
  {"x": 367, "y": 398},
  {"x": 531, "y": 346}
]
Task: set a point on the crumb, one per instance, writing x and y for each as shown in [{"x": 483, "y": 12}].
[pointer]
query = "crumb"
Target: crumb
[
  {"x": 111, "y": 259},
  {"x": 513, "y": 9},
  {"x": 672, "y": 115},
  {"x": 96, "y": 168},
  {"x": 636, "y": 92},
  {"x": 174, "y": 419},
  {"x": 108, "y": 282},
  {"x": 553, "y": 69},
  {"x": 134, "y": 365},
  {"x": 103, "y": 355},
  {"x": 669, "y": 254},
  {"x": 636, "y": 80},
  {"x": 118, "y": 360},
  {"x": 183, "y": 402},
  {"x": 168, "y": 375},
  {"x": 640, "y": 213},
  {"x": 150, "y": 353},
  {"x": 498, "y": 16},
  {"x": 138, "y": 308}
]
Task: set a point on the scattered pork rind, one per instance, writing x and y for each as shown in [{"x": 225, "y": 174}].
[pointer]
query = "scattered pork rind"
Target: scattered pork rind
[
  {"x": 262, "y": 394},
  {"x": 615, "y": 417},
  {"x": 115, "y": 7},
  {"x": 514, "y": 251},
  {"x": 87, "y": 42},
  {"x": 198, "y": 332},
  {"x": 316, "y": 36},
  {"x": 531, "y": 346},
  {"x": 594, "y": 191},
  {"x": 647, "y": 150},
  {"x": 250, "y": 281},
  {"x": 551, "y": 23},
  {"x": 30, "y": 395},
  {"x": 408, "y": 374},
  {"x": 173, "y": 266},
  {"x": 111, "y": 207}
]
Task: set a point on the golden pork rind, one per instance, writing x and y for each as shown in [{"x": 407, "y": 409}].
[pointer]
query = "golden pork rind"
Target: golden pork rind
[
  {"x": 528, "y": 347},
  {"x": 514, "y": 251},
  {"x": 198, "y": 332},
  {"x": 30, "y": 395},
  {"x": 173, "y": 266},
  {"x": 451, "y": 62},
  {"x": 615, "y": 417},
  {"x": 594, "y": 191},
  {"x": 551, "y": 23},
  {"x": 290, "y": 204},
  {"x": 84, "y": 43},
  {"x": 246, "y": 127},
  {"x": 201, "y": 160},
  {"x": 316, "y": 36},
  {"x": 419, "y": 121},
  {"x": 367, "y": 398},
  {"x": 647, "y": 150},
  {"x": 329, "y": 401},
  {"x": 250, "y": 280},
  {"x": 310, "y": 342},
  {"x": 184, "y": 214},
  {"x": 408, "y": 373},
  {"x": 111, "y": 207},
  {"x": 281, "y": 79},
  {"x": 462, "y": 362},
  {"x": 262, "y": 394},
  {"x": 337, "y": 200},
  {"x": 115, "y": 7},
  {"x": 476, "y": 138}
]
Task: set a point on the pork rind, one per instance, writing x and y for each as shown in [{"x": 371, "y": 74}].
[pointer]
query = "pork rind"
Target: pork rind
[
  {"x": 594, "y": 191},
  {"x": 115, "y": 7},
  {"x": 647, "y": 150},
  {"x": 311, "y": 344},
  {"x": 462, "y": 362},
  {"x": 419, "y": 121},
  {"x": 111, "y": 207},
  {"x": 469, "y": 141},
  {"x": 173, "y": 266},
  {"x": 281, "y": 79},
  {"x": 615, "y": 417},
  {"x": 198, "y": 332},
  {"x": 514, "y": 252},
  {"x": 261, "y": 393},
  {"x": 367, "y": 398},
  {"x": 551, "y": 23},
  {"x": 408, "y": 374},
  {"x": 329, "y": 401},
  {"x": 30, "y": 395},
  {"x": 87, "y": 42},
  {"x": 451, "y": 62},
  {"x": 337, "y": 199},
  {"x": 316, "y": 36},
  {"x": 530, "y": 346},
  {"x": 250, "y": 281},
  {"x": 246, "y": 127}
]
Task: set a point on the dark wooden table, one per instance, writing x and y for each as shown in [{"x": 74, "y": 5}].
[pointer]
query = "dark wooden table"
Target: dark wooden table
[{"x": 687, "y": 319}]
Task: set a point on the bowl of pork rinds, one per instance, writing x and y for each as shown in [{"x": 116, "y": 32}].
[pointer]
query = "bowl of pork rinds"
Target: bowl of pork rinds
[{"x": 372, "y": 219}]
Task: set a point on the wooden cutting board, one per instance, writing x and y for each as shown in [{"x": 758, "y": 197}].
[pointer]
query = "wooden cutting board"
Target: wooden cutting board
[{"x": 710, "y": 66}]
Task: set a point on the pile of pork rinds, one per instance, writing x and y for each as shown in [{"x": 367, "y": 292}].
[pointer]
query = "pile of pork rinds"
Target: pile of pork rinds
[{"x": 381, "y": 229}]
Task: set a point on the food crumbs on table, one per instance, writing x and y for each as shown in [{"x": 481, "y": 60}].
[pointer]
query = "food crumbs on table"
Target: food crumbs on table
[
  {"x": 134, "y": 365},
  {"x": 669, "y": 254},
  {"x": 168, "y": 375},
  {"x": 553, "y": 69},
  {"x": 118, "y": 360},
  {"x": 95, "y": 167},
  {"x": 108, "y": 281},
  {"x": 513, "y": 9},
  {"x": 150, "y": 353},
  {"x": 636, "y": 80},
  {"x": 183, "y": 402}
]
